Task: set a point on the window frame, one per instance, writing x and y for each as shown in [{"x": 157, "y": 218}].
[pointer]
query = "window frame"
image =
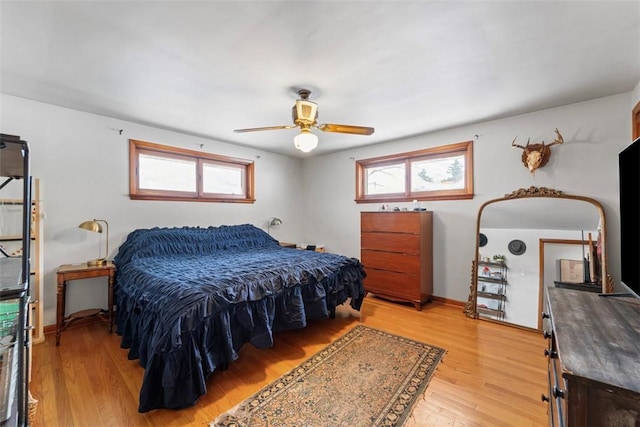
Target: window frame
[
  {"x": 462, "y": 148},
  {"x": 137, "y": 147}
]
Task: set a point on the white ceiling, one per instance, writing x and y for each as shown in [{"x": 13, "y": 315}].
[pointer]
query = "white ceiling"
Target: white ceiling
[{"x": 404, "y": 67}]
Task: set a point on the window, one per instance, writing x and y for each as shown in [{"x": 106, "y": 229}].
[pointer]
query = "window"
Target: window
[
  {"x": 159, "y": 172},
  {"x": 440, "y": 173}
]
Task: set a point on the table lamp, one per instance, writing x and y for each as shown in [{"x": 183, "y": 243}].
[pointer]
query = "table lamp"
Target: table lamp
[
  {"x": 96, "y": 227},
  {"x": 273, "y": 222}
]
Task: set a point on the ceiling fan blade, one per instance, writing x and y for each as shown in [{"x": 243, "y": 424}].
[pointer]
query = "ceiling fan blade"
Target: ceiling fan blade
[
  {"x": 265, "y": 128},
  {"x": 359, "y": 130}
]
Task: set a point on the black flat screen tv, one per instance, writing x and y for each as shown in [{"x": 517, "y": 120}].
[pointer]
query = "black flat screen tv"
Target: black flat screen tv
[{"x": 629, "y": 170}]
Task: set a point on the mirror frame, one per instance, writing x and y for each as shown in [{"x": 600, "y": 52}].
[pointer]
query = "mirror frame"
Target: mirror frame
[{"x": 470, "y": 309}]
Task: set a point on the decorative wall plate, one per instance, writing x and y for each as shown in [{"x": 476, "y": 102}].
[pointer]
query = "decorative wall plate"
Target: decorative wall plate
[
  {"x": 483, "y": 240},
  {"x": 517, "y": 247}
]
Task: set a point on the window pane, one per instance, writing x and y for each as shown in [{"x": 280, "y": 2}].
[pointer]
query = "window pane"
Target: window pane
[
  {"x": 220, "y": 179},
  {"x": 437, "y": 173},
  {"x": 443, "y": 173},
  {"x": 166, "y": 173},
  {"x": 162, "y": 172},
  {"x": 385, "y": 179}
]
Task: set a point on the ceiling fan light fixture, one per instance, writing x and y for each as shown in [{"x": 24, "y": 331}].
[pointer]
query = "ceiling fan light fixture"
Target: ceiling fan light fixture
[
  {"x": 305, "y": 116},
  {"x": 305, "y": 141},
  {"x": 305, "y": 112}
]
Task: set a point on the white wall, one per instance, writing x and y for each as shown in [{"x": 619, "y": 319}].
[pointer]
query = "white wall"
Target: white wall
[
  {"x": 82, "y": 162},
  {"x": 586, "y": 164}
]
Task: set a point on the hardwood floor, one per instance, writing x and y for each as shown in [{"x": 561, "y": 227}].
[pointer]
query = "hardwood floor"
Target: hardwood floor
[{"x": 491, "y": 375}]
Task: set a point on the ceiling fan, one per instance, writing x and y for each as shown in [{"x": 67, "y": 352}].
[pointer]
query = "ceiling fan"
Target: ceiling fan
[{"x": 305, "y": 116}]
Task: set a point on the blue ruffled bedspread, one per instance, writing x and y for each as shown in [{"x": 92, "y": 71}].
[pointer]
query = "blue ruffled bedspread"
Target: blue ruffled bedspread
[{"x": 189, "y": 298}]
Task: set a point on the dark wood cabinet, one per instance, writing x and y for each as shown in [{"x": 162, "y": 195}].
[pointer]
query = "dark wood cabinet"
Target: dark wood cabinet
[
  {"x": 397, "y": 253},
  {"x": 594, "y": 359}
]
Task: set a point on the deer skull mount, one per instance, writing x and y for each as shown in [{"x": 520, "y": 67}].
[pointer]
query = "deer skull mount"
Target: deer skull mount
[{"x": 535, "y": 156}]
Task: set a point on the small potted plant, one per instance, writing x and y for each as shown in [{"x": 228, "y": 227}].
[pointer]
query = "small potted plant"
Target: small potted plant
[{"x": 498, "y": 258}]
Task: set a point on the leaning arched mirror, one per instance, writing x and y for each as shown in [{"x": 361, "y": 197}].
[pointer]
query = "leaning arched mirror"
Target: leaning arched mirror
[{"x": 533, "y": 238}]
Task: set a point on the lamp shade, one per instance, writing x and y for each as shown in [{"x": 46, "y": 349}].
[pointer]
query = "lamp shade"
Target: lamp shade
[
  {"x": 305, "y": 141},
  {"x": 276, "y": 221},
  {"x": 94, "y": 226}
]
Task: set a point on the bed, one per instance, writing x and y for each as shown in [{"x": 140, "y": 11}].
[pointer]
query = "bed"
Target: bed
[{"x": 187, "y": 299}]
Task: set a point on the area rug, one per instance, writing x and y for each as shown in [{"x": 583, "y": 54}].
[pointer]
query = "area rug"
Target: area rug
[{"x": 367, "y": 378}]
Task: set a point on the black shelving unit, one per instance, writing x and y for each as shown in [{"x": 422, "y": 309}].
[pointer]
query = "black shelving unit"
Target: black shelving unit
[
  {"x": 15, "y": 337},
  {"x": 492, "y": 289}
]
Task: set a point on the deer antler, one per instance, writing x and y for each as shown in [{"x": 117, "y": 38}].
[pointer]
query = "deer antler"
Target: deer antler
[
  {"x": 513, "y": 143},
  {"x": 558, "y": 140}
]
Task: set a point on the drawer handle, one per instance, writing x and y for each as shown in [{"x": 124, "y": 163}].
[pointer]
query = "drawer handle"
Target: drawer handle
[
  {"x": 550, "y": 353},
  {"x": 546, "y": 334},
  {"x": 544, "y": 398},
  {"x": 545, "y": 315},
  {"x": 557, "y": 392}
]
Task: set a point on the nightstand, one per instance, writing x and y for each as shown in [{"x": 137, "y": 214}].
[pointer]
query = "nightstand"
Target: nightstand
[
  {"x": 68, "y": 272},
  {"x": 306, "y": 247},
  {"x": 287, "y": 245},
  {"x": 319, "y": 248}
]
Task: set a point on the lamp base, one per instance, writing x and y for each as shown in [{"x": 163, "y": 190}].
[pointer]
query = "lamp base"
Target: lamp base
[{"x": 101, "y": 262}]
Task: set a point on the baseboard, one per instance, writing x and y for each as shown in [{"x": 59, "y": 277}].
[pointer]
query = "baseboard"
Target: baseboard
[
  {"x": 51, "y": 329},
  {"x": 447, "y": 301}
]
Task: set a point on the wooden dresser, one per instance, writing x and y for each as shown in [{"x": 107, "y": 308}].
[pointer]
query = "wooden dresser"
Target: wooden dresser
[
  {"x": 397, "y": 254},
  {"x": 594, "y": 359}
]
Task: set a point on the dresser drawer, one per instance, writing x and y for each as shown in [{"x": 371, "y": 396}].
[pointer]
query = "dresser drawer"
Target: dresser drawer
[
  {"x": 400, "y": 263},
  {"x": 391, "y": 242},
  {"x": 393, "y": 284},
  {"x": 396, "y": 222},
  {"x": 557, "y": 388}
]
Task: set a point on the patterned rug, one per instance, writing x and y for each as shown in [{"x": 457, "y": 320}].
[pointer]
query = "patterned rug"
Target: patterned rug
[{"x": 366, "y": 378}]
